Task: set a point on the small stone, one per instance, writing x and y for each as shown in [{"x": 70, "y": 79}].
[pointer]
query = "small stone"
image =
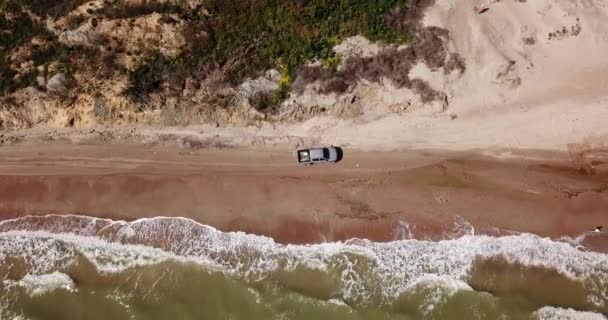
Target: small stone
[
  {"x": 41, "y": 81},
  {"x": 57, "y": 84}
]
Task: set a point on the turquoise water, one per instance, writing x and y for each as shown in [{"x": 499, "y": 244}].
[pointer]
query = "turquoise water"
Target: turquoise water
[{"x": 70, "y": 267}]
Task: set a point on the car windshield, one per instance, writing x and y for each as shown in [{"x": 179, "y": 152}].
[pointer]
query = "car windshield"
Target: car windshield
[{"x": 325, "y": 153}]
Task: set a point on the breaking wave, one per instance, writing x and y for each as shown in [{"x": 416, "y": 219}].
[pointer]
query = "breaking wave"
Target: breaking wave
[
  {"x": 40, "y": 284},
  {"x": 420, "y": 278},
  {"x": 552, "y": 313}
]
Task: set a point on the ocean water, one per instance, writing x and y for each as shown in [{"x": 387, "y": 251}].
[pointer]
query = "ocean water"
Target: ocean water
[{"x": 75, "y": 267}]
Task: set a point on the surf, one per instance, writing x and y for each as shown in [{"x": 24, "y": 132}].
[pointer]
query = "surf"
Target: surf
[{"x": 71, "y": 255}]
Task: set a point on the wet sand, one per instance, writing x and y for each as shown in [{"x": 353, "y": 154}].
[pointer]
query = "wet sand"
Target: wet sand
[{"x": 377, "y": 196}]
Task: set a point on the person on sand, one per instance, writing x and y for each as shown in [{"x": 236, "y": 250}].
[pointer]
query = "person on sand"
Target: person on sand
[{"x": 598, "y": 229}]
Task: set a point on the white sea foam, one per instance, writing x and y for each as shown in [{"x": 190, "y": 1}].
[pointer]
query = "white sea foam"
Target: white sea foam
[
  {"x": 362, "y": 265},
  {"x": 10, "y": 315},
  {"x": 436, "y": 290},
  {"x": 337, "y": 302},
  {"x": 44, "y": 283},
  {"x": 40, "y": 254},
  {"x": 125, "y": 233},
  {"x": 552, "y": 313},
  {"x": 44, "y": 251}
]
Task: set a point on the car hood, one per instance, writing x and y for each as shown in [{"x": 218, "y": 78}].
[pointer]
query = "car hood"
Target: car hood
[{"x": 333, "y": 154}]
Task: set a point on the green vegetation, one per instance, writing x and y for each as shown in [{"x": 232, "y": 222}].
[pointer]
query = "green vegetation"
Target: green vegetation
[
  {"x": 293, "y": 32},
  {"x": 19, "y": 29},
  {"x": 156, "y": 71},
  {"x": 332, "y": 62},
  {"x": 52, "y": 8},
  {"x": 245, "y": 38},
  {"x": 233, "y": 38},
  {"x": 16, "y": 28}
]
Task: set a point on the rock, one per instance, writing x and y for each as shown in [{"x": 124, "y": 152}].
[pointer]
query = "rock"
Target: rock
[
  {"x": 357, "y": 46},
  {"x": 41, "y": 81},
  {"x": 273, "y": 75},
  {"x": 57, "y": 84},
  {"x": 348, "y": 107},
  {"x": 75, "y": 37},
  {"x": 265, "y": 84},
  {"x": 399, "y": 107}
]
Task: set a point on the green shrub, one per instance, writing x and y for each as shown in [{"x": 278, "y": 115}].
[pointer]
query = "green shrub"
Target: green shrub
[
  {"x": 245, "y": 38},
  {"x": 240, "y": 39},
  {"x": 332, "y": 62},
  {"x": 16, "y": 28},
  {"x": 156, "y": 73},
  {"x": 294, "y": 31},
  {"x": 53, "y": 8}
]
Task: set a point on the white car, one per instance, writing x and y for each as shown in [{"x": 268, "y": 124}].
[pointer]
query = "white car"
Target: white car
[{"x": 319, "y": 155}]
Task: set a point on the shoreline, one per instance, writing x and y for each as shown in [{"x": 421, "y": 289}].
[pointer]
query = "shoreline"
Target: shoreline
[
  {"x": 264, "y": 192},
  {"x": 478, "y": 265}
]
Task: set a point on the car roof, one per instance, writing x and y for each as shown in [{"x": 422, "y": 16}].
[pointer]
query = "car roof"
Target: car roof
[{"x": 316, "y": 153}]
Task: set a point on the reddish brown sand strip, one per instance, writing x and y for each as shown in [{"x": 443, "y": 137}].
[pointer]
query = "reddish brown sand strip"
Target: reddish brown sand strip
[{"x": 377, "y": 196}]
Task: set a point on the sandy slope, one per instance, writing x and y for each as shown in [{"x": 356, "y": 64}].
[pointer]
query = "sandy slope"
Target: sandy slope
[
  {"x": 543, "y": 95},
  {"x": 528, "y": 85},
  {"x": 522, "y": 88},
  {"x": 536, "y": 78}
]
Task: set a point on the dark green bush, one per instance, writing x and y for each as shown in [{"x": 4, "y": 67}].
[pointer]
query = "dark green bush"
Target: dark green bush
[
  {"x": 53, "y": 8},
  {"x": 234, "y": 38},
  {"x": 245, "y": 38},
  {"x": 156, "y": 73},
  {"x": 122, "y": 10},
  {"x": 16, "y": 28},
  {"x": 264, "y": 31}
]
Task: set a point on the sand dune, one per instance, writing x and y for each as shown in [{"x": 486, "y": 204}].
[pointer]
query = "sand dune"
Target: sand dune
[
  {"x": 536, "y": 78},
  {"x": 529, "y": 53}
]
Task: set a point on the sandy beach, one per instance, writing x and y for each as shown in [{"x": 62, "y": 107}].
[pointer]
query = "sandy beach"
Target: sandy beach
[
  {"x": 518, "y": 142},
  {"x": 380, "y": 196},
  {"x": 148, "y": 160}
]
